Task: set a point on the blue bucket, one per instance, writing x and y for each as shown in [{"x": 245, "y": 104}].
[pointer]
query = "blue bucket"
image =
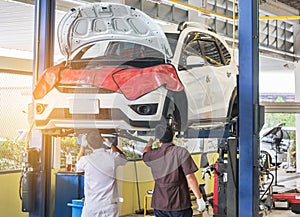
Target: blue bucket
[{"x": 77, "y": 206}]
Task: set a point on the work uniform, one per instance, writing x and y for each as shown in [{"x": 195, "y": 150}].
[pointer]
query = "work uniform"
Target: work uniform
[
  {"x": 169, "y": 165},
  {"x": 101, "y": 195}
]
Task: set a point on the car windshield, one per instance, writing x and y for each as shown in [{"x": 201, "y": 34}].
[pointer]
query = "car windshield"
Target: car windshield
[
  {"x": 116, "y": 53},
  {"x": 173, "y": 40}
]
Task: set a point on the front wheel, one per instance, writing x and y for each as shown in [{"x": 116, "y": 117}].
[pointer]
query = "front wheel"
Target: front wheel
[
  {"x": 175, "y": 110},
  {"x": 233, "y": 110}
]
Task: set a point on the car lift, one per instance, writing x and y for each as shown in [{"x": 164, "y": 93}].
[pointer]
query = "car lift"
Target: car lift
[{"x": 247, "y": 206}]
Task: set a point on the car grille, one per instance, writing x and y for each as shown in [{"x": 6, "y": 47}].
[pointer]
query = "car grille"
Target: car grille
[
  {"x": 79, "y": 89},
  {"x": 104, "y": 114},
  {"x": 60, "y": 113},
  {"x": 64, "y": 114}
]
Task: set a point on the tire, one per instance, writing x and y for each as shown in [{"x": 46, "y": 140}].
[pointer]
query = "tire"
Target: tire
[
  {"x": 175, "y": 111},
  {"x": 233, "y": 110}
]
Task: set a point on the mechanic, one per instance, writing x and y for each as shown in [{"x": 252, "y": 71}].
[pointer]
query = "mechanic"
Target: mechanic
[
  {"x": 173, "y": 171},
  {"x": 100, "y": 189}
]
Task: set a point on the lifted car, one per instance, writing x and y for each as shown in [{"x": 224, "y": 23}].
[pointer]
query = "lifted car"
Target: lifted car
[{"x": 124, "y": 71}]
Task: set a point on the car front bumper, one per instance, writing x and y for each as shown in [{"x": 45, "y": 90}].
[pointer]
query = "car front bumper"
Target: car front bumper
[{"x": 102, "y": 111}]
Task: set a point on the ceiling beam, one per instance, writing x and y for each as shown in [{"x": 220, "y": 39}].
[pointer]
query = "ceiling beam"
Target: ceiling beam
[
  {"x": 15, "y": 65},
  {"x": 281, "y": 107}
]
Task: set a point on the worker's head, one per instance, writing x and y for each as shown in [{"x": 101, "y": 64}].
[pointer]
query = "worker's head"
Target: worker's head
[
  {"x": 164, "y": 133},
  {"x": 94, "y": 139}
]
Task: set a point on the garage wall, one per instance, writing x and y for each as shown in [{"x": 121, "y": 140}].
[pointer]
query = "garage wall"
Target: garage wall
[
  {"x": 10, "y": 203},
  {"x": 127, "y": 184},
  {"x": 15, "y": 95}
]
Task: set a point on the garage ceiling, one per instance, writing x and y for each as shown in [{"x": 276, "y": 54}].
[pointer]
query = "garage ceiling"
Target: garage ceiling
[
  {"x": 17, "y": 25},
  {"x": 292, "y": 3}
]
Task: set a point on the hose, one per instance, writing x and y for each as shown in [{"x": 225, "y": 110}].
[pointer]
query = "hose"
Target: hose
[
  {"x": 139, "y": 211},
  {"x": 268, "y": 188}
]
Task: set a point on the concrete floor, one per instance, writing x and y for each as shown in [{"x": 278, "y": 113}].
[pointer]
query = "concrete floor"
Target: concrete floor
[
  {"x": 272, "y": 213},
  {"x": 282, "y": 213},
  {"x": 285, "y": 182}
]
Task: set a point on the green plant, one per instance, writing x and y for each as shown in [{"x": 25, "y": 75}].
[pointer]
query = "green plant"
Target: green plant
[
  {"x": 292, "y": 149},
  {"x": 68, "y": 145},
  {"x": 271, "y": 119},
  {"x": 11, "y": 154}
]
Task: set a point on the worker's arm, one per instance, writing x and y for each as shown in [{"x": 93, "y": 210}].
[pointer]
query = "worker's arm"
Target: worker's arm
[
  {"x": 113, "y": 147},
  {"x": 116, "y": 149},
  {"x": 148, "y": 146},
  {"x": 83, "y": 145},
  {"x": 81, "y": 152},
  {"x": 193, "y": 184},
  {"x": 121, "y": 159}
]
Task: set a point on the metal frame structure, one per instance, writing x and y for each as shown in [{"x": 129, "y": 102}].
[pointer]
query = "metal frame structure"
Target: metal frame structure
[
  {"x": 43, "y": 58},
  {"x": 276, "y": 33},
  {"x": 248, "y": 109}
]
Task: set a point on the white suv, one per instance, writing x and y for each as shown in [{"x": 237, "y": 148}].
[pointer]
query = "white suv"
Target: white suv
[{"x": 124, "y": 71}]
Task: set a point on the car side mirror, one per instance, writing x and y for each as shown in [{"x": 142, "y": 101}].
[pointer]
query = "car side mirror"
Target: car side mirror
[{"x": 194, "y": 61}]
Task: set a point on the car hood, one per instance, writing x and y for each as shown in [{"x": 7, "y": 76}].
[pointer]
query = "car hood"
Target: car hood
[
  {"x": 109, "y": 21},
  {"x": 273, "y": 130}
]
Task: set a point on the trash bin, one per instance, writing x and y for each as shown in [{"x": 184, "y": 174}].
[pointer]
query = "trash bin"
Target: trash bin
[
  {"x": 68, "y": 186},
  {"x": 76, "y": 207}
]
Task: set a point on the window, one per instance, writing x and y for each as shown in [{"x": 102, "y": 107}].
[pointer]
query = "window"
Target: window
[
  {"x": 212, "y": 54},
  {"x": 206, "y": 46},
  {"x": 191, "y": 48},
  {"x": 225, "y": 52},
  {"x": 117, "y": 49},
  {"x": 173, "y": 40},
  {"x": 13, "y": 88},
  {"x": 116, "y": 53}
]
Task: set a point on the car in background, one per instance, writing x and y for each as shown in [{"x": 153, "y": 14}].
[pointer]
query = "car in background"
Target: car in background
[
  {"x": 124, "y": 71},
  {"x": 276, "y": 139}
]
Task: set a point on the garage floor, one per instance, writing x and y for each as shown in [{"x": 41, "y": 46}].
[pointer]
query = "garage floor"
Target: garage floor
[
  {"x": 273, "y": 213},
  {"x": 285, "y": 181}
]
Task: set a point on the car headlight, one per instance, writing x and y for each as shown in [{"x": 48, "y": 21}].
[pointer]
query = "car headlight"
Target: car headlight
[{"x": 145, "y": 109}]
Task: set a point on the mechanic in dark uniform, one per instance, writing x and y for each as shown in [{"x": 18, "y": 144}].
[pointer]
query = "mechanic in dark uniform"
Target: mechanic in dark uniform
[{"x": 173, "y": 171}]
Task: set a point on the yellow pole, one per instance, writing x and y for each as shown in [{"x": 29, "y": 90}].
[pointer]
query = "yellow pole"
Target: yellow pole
[
  {"x": 37, "y": 41},
  {"x": 202, "y": 10},
  {"x": 234, "y": 18},
  {"x": 279, "y": 17},
  {"x": 233, "y": 28},
  {"x": 36, "y": 67},
  {"x": 27, "y": 136}
]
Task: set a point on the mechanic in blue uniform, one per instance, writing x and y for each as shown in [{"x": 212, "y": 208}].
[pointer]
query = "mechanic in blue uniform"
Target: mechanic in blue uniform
[
  {"x": 100, "y": 187},
  {"x": 173, "y": 171}
]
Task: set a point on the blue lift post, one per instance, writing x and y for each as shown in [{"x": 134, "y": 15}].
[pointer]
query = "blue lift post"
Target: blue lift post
[
  {"x": 43, "y": 58},
  {"x": 249, "y": 109}
]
